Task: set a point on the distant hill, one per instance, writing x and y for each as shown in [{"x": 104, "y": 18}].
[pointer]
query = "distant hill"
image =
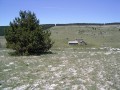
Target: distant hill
[
  {"x": 2, "y": 29},
  {"x": 44, "y": 26},
  {"x": 47, "y": 26}
]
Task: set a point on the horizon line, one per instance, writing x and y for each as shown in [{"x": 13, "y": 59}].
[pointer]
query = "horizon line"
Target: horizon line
[{"x": 78, "y": 23}]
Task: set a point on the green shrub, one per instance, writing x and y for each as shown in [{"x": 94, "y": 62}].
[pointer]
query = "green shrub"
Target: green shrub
[{"x": 26, "y": 36}]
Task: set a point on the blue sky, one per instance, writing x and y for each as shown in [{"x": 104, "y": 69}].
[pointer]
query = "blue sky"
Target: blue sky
[{"x": 62, "y": 11}]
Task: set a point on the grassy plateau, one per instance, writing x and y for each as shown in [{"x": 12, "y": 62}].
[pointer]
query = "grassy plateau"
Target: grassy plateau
[{"x": 95, "y": 66}]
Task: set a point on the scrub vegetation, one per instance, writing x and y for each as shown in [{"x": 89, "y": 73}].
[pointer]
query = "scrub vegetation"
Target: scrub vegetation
[
  {"x": 25, "y": 35},
  {"x": 95, "y": 66}
]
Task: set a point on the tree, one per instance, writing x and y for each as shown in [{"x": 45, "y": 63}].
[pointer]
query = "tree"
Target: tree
[{"x": 26, "y": 36}]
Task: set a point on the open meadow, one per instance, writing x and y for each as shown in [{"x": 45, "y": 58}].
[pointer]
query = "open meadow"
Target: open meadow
[{"x": 95, "y": 66}]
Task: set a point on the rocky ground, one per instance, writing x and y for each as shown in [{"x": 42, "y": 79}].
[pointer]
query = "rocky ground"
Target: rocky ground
[{"x": 65, "y": 69}]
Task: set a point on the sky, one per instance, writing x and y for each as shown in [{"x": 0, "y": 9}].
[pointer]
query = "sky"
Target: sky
[{"x": 62, "y": 11}]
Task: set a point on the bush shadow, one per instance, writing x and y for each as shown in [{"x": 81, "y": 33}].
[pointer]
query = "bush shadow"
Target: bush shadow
[{"x": 32, "y": 54}]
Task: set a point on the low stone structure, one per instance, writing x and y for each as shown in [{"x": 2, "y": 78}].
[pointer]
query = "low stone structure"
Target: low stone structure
[
  {"x": 73, "y": 42},
  {"x": 81, "y": 41},
  {"x": 77, "y": 41}
]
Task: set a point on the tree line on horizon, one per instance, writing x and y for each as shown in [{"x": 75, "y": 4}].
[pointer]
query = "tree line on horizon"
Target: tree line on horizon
[
  {"x": 47, "y": 26},
  {"x": 117, "y": 23}
]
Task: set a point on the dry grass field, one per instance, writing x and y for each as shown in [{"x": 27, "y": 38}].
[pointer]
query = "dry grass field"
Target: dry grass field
[{"x": 95, "y": 66}]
